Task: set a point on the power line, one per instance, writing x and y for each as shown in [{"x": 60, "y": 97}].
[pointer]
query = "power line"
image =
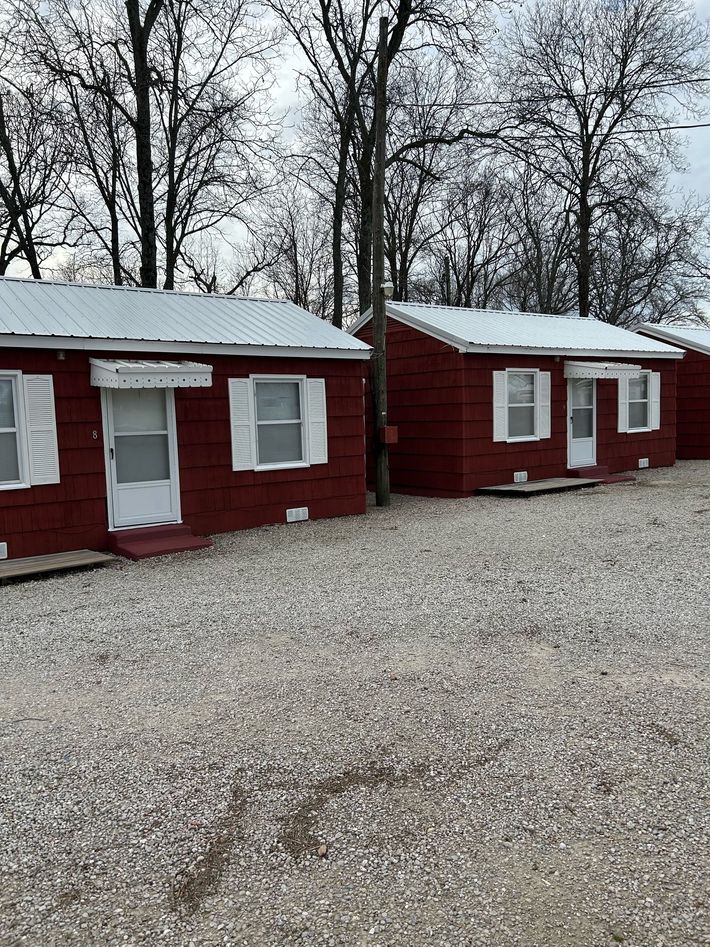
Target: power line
[{"x": 545, "y": 97}]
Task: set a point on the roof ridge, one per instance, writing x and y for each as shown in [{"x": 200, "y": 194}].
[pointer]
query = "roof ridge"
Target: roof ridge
[
  {"x": 502, "y": 312},
  {"x": 139, "y": 289}
]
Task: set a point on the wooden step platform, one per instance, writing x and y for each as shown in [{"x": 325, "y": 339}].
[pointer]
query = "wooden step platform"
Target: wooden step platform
[
  {"x": 56, "y": 562},
  {"x": 533, "y": 488}
]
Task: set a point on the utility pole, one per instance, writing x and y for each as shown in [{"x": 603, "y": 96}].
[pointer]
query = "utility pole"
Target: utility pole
[
  {"x": 379, "y": 289},
  {"x": 447, "y": 280}
]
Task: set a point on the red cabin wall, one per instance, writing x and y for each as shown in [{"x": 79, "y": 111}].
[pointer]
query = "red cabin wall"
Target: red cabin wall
[
  {"x": 425, "y": 397},
  {"x": 73, "y": 513},
  {"x": 694, "y": 406},
  {"x": 442, "y": 402},
  {"x": 490, "y": 462}
]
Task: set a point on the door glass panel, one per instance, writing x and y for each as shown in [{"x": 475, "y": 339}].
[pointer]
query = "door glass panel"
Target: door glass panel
[
  {"x": 142, "y": 458},
  {"x": 582, "y": 392},
  {"x": 278, "y": 401},
  {"x": 638, "y": 414},
  {"x": 139, "y": 409},
  {"x": 7, "y": 406},
  {"x": 521, "y": 388},
  {"x": 521, "y": 421},
  {"x": 9, "y": 463},
  {"x": 582, "y": 422},
  {"x": 280, "y": 443}
]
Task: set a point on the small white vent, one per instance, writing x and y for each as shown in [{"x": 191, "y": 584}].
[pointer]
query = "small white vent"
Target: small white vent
[
  {"x": 3, "y": 550},
  {"x": 643, "y": 462},
  {"x": 520, "y": 476},
  {"x": 297, "y": 515}
]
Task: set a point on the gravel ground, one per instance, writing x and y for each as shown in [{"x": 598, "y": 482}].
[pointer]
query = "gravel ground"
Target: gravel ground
[{"x": 457, "y": 722}]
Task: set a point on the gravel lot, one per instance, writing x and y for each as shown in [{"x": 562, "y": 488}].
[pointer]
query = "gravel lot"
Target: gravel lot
[{"x": 457, "y": 722}]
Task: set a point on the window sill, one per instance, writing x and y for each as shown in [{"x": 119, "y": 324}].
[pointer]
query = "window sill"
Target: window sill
[
  {"x": 15, "y": 486},
  {"x": 639, "y": 430},
  {"x": 521, "y": 440},
  {"x": 300, "y": 465}
]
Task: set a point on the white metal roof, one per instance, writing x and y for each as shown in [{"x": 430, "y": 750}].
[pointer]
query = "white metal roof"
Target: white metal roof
[
  {"x": 490, "y": 330},
  {"x": 48, "y": 314},
  {"x": 691, "y": 337}
]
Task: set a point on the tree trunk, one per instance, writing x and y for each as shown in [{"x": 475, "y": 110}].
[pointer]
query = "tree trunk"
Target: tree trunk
[
  {"x": 584, "y": 257},
  {"x": 338, "y": 212},
  {"x": 140, "y": 32}
]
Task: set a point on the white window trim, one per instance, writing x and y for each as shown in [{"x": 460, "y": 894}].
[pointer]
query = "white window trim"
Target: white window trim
[
  {"x": 646, "y": 401},
  {"x": 20, "y": 431},
  {"x": 305, "y": 440},
  {"x": 536, "y": 405}
]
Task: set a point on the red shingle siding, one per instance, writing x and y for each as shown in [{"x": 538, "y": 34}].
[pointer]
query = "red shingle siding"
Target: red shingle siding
[
  {"x": 694, "y": 406},
  {"x": 214, "y": 498},
  {"x": 425, "y": 402},
  {"x": 442, "y": 402}
]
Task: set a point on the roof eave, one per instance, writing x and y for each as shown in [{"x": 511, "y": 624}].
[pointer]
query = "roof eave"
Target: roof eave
[
  {"x": 663, "y": 336},
  {"x": 570, "y": 353},
  {"x": 72, "y": 343}
]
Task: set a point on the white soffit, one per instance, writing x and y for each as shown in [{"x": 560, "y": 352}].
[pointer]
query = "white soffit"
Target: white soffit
[
  {"x": 601, "y": 370},
  {"x": 131, "y": 373}
]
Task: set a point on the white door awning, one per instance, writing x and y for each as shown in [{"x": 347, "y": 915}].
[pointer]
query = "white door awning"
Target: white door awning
[
  {"x": 153, "y": 373},
  {"x": 601, "y": 370}
]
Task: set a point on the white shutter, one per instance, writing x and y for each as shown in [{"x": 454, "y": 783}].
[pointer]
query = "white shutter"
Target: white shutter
[
  {"x": 500, "y": 406},
  {"x": 655, "y": 387},
  {"x": 41, "y": 426},
  {"x": 317, "y": 421},
  {"x": 544, "y": 408},
  {"x": 623, "y": 425},
  {"x": 241, "y": 414}
]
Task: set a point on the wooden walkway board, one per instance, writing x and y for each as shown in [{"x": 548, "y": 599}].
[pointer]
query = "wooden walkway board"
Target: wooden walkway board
[
  {"x": 534, "y": 487},
  {"x": 35, "y": 565}
]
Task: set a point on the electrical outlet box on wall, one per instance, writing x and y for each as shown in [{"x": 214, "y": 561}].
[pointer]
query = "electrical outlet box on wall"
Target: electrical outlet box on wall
[
  {"x": 3, "y": 550},
  {"x": 297, "y": 514},
  {"x": 520, "y": 476},
  {"x": 643, "y": 462}
]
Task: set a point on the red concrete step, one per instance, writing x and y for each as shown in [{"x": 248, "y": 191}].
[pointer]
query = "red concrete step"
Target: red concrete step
[
  {"x": 144, "y": 532},
  {"x": 598, "y": 472},
  {"x": 595, "y": 472},
  {"x": 152, "y": 541}
]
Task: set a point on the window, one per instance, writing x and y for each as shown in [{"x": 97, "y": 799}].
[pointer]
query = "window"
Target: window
[
  {"x": 521, "y": 405},
  {"x": 639, "y": 403},
  {"x": 279, "y": 422},
  {"x": 11, "y": 434},
  {"x": 522, "y": 421},
  {"x": 29, "y": 454}
]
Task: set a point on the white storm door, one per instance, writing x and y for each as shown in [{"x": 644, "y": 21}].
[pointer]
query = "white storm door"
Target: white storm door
[
  {"x": 142, "y": 456},
  {"x": 582, "y": 421}
]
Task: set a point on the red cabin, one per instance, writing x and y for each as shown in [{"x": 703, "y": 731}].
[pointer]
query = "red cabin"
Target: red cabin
[
  {"x": 130, "y": 418},
  {"x": 483, "y": 398},
  {"x": 693, "y": 386}
]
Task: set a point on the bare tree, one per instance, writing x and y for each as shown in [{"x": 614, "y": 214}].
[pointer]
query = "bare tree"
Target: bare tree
[
  {"x": 648, "y": 262},
  {"x": 472, "y": 240},
  {"x": 302, "y": 271},
  {"x": 592, "y": 84},
  {"x": 33, "y": 170},
  {"x": 168, "y": 105},
  {"x": 542, "y": 273}
]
